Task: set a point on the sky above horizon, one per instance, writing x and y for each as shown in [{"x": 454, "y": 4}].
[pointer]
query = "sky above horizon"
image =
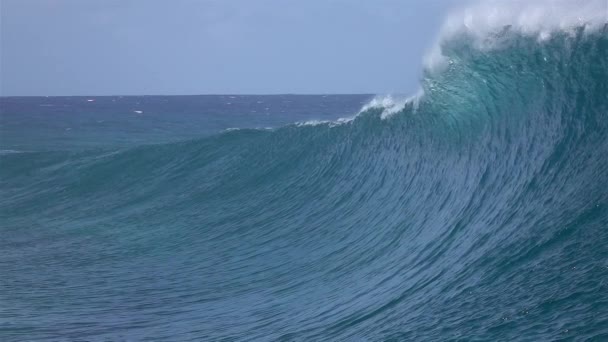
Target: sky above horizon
[{"x": 162, "y": 47}]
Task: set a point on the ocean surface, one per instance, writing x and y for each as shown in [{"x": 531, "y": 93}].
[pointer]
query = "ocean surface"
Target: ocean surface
[{"x": 476, "y": 210}]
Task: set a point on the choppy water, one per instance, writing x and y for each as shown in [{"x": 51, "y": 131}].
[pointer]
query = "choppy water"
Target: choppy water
[{"x": 476, "y": 211}]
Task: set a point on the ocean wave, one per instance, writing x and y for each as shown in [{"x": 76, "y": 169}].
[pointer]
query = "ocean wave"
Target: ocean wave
[
  {"x": 485, "y": 23},
  {"x": 476, "y": 209}
]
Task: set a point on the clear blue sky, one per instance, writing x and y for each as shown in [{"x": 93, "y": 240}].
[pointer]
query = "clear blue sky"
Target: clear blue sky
[{"x": 105, "y": 47}]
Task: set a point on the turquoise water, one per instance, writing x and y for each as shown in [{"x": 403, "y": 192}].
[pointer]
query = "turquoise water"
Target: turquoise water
[{"x": 477, "y": 212}]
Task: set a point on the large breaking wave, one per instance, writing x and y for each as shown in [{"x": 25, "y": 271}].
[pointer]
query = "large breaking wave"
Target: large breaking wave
[{"x": 477, "y": 209}]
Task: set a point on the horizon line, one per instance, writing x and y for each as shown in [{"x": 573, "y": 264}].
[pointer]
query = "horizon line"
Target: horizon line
[{"x": 211, "y": 94}]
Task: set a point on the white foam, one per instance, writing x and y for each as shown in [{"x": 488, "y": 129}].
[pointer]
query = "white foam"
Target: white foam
[
  {"x": 312, "y": 123},
  {"x": 340, "y": 121},
  {"x": 540, "y": 19},
  {"x": 2, "y": 152},
  {"x": 231, "y": 129},
  {"x": 391, "y": 104}
]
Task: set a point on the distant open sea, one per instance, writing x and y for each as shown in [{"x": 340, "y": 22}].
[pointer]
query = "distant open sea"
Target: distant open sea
[{"x": 81, "y": 122}]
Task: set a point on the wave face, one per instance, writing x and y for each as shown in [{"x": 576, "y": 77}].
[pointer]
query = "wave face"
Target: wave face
[{"x": 477, "y": 211}]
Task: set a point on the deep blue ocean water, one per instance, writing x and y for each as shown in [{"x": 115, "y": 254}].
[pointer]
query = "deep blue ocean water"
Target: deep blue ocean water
[
  {"x": 477, "y": 211},
  {"x": 81, "y": 122}
]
